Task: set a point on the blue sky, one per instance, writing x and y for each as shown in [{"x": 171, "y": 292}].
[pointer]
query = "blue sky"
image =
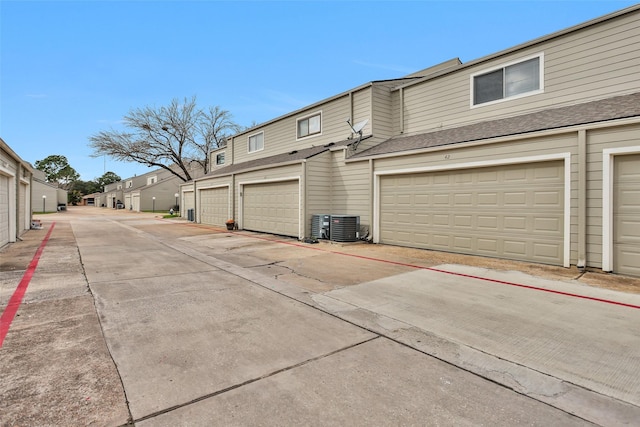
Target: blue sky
[{"x": 69, "y": 69}]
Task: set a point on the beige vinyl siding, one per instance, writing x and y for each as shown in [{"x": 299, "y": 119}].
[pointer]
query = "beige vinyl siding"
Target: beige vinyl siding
[
  {"x": 280, "y": 136},
  {"x": 351, "y": 189},
  {"x": 592, "y": 63},
  {"x": 319, "y": 187},
  {"x": 381, "y": 113},
  {"x": 597, "y": 141},
  {"x": 361, "y": 111}
]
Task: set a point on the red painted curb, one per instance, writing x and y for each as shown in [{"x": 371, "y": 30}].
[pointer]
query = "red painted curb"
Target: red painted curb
[
  {"x": 16, "y": 299},
  {"x": 502, "y": 282}
]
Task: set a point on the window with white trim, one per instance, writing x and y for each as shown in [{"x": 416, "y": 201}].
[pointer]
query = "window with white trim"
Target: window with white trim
[
  {"x": 256, "y": 142},
  {"x": 513, "y": 80},
  {"x": 220, "y": 159},
  {"x": 151, "y": 180},
  {"x": 308, "y": 126},
  {"x": 129, "y": 184}
]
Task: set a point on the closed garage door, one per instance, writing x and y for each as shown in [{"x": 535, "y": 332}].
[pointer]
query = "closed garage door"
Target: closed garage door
[
  {"x": 626, "y": 215},
  {"x": 214, "y": 206},
  {"x": 4, "y": 210},
  {"x": 272, "y": 208},
  {"x": 135, "y": 202},
  {"x": 513, "y": 211}
]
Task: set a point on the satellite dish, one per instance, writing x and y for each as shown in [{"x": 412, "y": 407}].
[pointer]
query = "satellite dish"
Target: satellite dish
[{"x": 357, "y": 128}]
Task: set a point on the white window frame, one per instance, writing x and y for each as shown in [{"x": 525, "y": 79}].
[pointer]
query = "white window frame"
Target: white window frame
[
  {"x": 129, "y": 184},
  {"x": 540, "y": 89},
  {"x": 217, "y": 162},
  {"x": 307, "y": 117},
  {"x": 249, "y": 142}
]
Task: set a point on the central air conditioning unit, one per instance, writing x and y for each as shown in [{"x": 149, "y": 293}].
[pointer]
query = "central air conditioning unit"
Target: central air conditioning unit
[
  {"x": 321, "y": 226},
  {"x": 345, "y": 228}
]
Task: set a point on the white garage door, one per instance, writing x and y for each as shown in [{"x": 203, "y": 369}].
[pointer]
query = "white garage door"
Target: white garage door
[
  {"x": 135, "y": 202},
  {"x": 626, "y": 215},
  {"x": 272, "y": 208},
  {"x": 4, "y": 210},
  {"x": 214, "y": 206},
  {"x": 188, "y": 203},
  {"x": 513, "y": 211}
]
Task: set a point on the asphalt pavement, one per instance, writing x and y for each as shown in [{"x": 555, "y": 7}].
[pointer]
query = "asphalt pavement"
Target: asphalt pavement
[{"x": 133, "y": 319}]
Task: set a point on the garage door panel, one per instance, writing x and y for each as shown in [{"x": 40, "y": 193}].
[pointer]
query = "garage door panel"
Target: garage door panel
[
  {"x": 505, "y": 212},
  {"x": 626, "y": 215},
  {"x": 272, "y": 208},
  {"x": 214, "y": 206}
]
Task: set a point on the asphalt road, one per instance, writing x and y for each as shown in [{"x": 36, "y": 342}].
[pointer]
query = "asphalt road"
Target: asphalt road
[{"x": 133, "y": 319}]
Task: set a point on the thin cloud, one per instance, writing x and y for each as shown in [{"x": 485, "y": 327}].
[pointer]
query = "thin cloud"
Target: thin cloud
[{"x": 36, "y": 95}]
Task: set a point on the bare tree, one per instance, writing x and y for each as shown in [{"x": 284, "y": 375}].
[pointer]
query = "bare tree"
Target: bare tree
[{"x": 169, "y": 137}]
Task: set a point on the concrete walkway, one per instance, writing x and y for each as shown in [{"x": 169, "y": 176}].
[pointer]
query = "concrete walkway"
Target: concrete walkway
[{"x": 161, "y": 322}]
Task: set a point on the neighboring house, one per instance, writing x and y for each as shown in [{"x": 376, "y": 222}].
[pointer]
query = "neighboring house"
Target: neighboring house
[
  {"x": 155, "y": 190},
  {"x": 16, "y": 177},
  {"x": 46, "y": 196},
  {"x": 90, "y": 199},
  {"x": 532, "y": 153}
]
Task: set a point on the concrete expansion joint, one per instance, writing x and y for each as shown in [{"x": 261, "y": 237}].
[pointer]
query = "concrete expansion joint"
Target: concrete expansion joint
[{"x": 249, "y": 381}]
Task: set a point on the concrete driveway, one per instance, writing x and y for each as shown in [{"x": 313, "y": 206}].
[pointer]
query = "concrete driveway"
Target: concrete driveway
[{"x": 131, "y": 318}]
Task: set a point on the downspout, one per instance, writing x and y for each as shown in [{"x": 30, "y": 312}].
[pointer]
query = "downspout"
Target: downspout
[
  {"x": 233, "y": 201},
  {"x": 582, "y": 199},
  {"x": 371, "y": 198},
  {"x": 401, "y": 110},
  {"x": 195, "y": 202},
  {"x": 351, "y": 106},
  {"x": 302, "y": 229}
]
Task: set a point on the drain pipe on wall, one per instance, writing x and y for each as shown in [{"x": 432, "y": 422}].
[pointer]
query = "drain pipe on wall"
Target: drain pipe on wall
[{"x": 582, "y": 199}]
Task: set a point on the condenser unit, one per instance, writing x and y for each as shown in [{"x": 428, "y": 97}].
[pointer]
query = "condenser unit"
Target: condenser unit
[
  {"x": 345, "y": 228},
  {"x": 321, "y": 226}
]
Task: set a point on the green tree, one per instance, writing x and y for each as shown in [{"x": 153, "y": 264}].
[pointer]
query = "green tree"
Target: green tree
[
  {"x": 106, "y": 179},
  {"x": 57, "y": 170},
  {"x": 85, "y": 187},
  {"x": 169, "y": 137}
]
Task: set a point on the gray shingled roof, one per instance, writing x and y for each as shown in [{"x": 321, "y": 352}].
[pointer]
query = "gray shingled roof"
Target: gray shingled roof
[
  {"x": 291, "y": 156},
  {"x": 618, "y": 107}
]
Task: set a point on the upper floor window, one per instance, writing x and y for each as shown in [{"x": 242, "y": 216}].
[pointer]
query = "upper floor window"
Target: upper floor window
[
  {"x": 119, "y": 187},
  {"x": 151, "y": 180},
  {"x": 310, "y": 125},
  {"x": 129, "y": 184},
  {"x": 256, "y": 142},
  {"x": 220, "y": 159},
  {"x": 512, "y": 80}
]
